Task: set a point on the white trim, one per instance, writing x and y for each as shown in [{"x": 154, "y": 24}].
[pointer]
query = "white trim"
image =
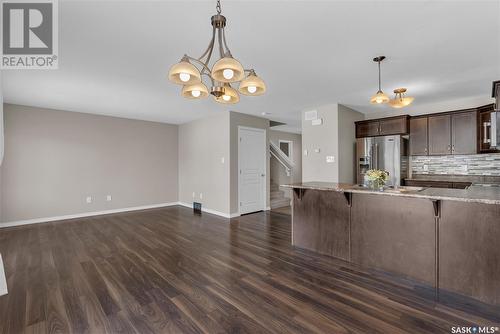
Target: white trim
[
  {"x": 213, "y": 212},
  {"x": 264, "y": 131},
  {"x": 83, "y": 214},
  {"x": 3, "y": 281}
]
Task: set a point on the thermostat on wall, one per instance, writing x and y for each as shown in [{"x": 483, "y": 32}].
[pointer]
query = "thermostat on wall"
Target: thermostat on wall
[{"x": 317, "y": 121}]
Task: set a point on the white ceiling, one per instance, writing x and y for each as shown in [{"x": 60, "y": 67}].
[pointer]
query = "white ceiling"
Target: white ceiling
[{"x": 114, "y": 55}]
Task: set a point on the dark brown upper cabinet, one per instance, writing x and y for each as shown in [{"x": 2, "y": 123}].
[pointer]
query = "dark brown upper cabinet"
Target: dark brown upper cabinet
[
  {"x": 397, "y": 125},
  {"x": 418, "y": 136},
  {"x": 440, "y": 134},
  {"x": 464, "y": 132},
  {"x": 484, "y": 129}
]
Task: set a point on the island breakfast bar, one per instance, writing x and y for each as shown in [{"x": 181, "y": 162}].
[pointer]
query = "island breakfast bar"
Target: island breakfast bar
[{"x": 445, "y": 238}]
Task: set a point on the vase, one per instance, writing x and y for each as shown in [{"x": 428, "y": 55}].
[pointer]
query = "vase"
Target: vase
[{"x": 377, "y": 185}]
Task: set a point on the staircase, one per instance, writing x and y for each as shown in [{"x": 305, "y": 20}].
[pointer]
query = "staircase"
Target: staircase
[{"x": 278, "y": 199}]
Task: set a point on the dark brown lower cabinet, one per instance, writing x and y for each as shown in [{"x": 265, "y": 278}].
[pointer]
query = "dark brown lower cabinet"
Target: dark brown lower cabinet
[
  {"x": 395, "y": 234},
  {"x": 469, "y": 261},
  {"x": 321, "y": 222}
]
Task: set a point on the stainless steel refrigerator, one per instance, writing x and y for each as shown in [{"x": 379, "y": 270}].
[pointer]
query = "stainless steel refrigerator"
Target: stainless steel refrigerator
[{"x": 389, "y": 153}]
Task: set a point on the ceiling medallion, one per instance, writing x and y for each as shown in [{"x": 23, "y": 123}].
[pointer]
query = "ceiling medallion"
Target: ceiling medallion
[
  {"x": 224, "y": 72},
  {"x": 400, "y": 99}
]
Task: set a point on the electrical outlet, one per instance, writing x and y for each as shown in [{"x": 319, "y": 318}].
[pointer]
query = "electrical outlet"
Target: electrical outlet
[
  {"x": 222, "y": 160},
  {"x": 88, "y": 199},
  {"x": 306, "y": 152},
  {"x": 109, "y": 198}
]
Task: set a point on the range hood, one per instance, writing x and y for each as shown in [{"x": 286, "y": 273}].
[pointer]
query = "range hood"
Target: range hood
[{"x": 495, "y": 116}]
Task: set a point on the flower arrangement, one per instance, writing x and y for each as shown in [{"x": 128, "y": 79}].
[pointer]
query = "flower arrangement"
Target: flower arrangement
[{"x": 377, "y": 178}]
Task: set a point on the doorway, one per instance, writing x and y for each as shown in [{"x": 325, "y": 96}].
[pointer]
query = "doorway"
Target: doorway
[{"x": 252, "y": 164}]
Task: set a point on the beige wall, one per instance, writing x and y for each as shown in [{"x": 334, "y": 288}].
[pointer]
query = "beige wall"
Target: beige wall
[
  {"x": 278, "y": 172},
  {"x": 238, "y": 119},
  {"x": 323, "y": 137},
  {"x": 55, "y": 159},
  {"x": 347, "y": 143},
  {"x": 335, "y": 137},
  {"x": 202, "y": 146}
]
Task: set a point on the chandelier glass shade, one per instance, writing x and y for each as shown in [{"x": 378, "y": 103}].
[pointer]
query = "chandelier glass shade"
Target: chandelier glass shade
[
  {"x": 224, "y": 72},
  {"x": 195, "y": 91},
  {"x": 400, "y": 99}
]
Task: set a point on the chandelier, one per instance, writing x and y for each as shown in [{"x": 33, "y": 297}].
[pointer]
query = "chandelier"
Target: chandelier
[
  {"x": 225, "y": 72},
  {"x": 400, "y": 99}
]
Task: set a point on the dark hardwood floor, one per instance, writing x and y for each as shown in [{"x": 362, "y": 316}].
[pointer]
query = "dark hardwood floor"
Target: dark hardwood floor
[{"x": 169, "y": 271}]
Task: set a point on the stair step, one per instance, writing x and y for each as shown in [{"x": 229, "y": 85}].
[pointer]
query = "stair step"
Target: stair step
[{"x": 279, "y": 203}]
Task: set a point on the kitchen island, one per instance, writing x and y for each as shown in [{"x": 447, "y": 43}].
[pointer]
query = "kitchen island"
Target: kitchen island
[{"x": 445, "y": 238}]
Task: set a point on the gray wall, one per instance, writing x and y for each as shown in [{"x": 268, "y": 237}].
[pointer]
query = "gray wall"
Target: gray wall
[
  {"x": 54, "y": 159},
  {"x": 335, "y": 137},
  {"x": 278, "y": 172},
  {"x": 323, "y": 137},
  {"x": 238, "y": 119},
  {"x": 347, "y": 143},
  {"x": 202, "y": 146}
]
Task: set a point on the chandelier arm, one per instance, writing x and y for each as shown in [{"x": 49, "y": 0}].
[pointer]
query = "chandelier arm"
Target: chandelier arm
[
  {"x": 221, "y": 49},
  {"x": 199, "y": 62},
  {"x": 210, "y": 77},
  {"x": 210, "y": 52},
  {"x": 210, "y": 45},
  {"x": 224, "y": 39}
]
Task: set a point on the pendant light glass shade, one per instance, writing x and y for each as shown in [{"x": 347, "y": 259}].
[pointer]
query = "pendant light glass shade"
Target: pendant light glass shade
[
  {"x": 230, "y": 95},
  {"x": 252, "y": 85},
  {"x": 184, "y": 73},
  {"x": 227, "y": 69},
  {"x": 400, "y": 100},
  {"x": 196, "y": 91},
  {"x": 380, "y": 97}
]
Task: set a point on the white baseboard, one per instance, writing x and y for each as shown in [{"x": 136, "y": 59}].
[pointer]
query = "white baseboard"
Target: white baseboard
[
  {"x": 3, "y": 281},
  {"x": 84, "y": 214},
  {"x": 214, "y": 212}
]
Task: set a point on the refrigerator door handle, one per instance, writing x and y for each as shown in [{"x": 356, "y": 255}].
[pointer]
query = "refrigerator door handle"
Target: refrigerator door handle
[{"x": 376, "y": 156}]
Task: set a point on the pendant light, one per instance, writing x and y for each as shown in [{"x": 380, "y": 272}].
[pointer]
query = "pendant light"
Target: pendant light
[
  {"x": 400, "y": 99},
  {"x": 190, "y": 71},
  {"x": 380, "y": 96}
]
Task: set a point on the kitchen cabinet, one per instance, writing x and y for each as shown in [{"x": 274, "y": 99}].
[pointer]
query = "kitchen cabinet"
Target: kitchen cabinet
[
  {"x": 367, "y": 129},
  {"x": 397, "y": 125},
  {"x": 439, "y": 134},
  {"x": 418, "y": 136},
  {"x": 464, "y": 132},
  {"x": 484, "y": 130}
]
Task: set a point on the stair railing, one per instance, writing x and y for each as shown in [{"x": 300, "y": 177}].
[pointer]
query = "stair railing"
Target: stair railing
[{"x": 282, "y": 158}]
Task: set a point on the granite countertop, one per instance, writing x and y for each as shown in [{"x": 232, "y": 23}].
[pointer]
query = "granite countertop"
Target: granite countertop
[{"x": 474, "y": 194}]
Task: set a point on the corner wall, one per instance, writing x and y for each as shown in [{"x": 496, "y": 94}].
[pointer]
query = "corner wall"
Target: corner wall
[
  {"x": 54, "y": 159},
  {"x": 334, "y": 137},
  {"x": 202, "y": 146}
]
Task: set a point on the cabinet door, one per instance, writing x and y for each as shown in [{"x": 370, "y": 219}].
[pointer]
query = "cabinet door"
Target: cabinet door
[
  {"x": 464, "y": 133},
  {"x": 440, "y": 135},
  {"x": 418, "y": 136},
  {"x": 367, "y": 129},
  {"x": 394, "y": 126}
]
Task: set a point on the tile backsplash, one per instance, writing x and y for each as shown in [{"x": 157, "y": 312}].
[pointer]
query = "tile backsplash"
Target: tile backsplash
[{"x": 478, "y": 164}]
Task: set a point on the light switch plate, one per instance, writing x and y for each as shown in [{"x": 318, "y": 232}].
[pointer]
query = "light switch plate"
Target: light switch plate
[
  {"x": 306, "y": 153},
  {"x": 330, "y": 158},
  {"x": 317, "y": 150},
  {"x": 88, "y": 199},
  {"x": 109, "y": 198}
]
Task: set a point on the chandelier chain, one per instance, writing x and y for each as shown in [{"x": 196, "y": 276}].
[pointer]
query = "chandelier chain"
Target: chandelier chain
[{"x": 218, "y": 7}]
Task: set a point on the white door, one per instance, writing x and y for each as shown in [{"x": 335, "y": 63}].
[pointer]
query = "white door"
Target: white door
[{"x": 252, "y": 169}]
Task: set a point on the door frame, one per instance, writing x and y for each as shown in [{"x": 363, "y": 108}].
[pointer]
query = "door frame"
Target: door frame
[{"x": 264, "y": 197}]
